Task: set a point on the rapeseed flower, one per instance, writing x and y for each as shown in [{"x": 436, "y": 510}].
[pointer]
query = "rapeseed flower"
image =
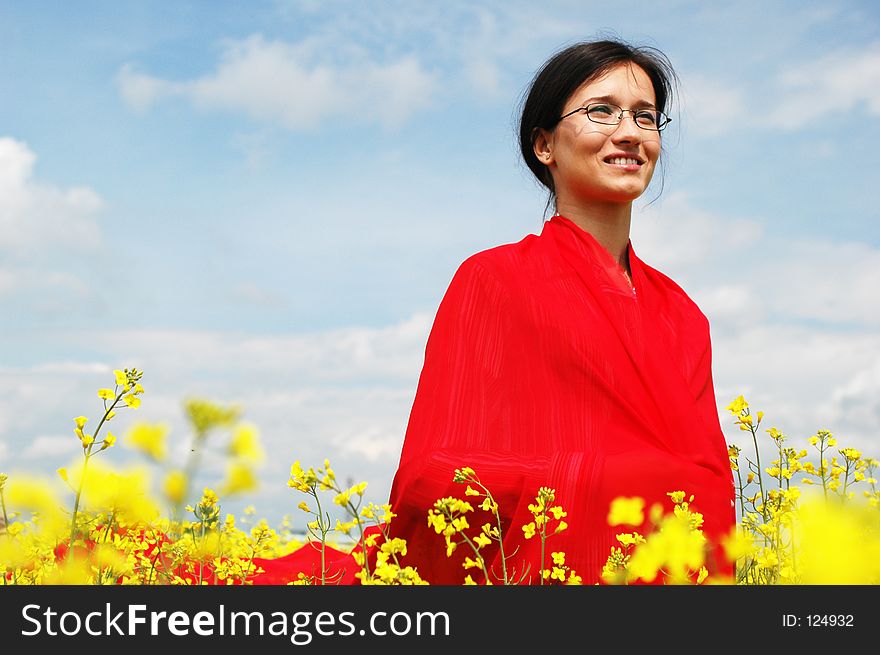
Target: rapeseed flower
[{"x": 627, "y": 511}]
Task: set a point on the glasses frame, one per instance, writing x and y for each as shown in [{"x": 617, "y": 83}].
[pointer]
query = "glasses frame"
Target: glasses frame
[{"x": 666, "y": 120}]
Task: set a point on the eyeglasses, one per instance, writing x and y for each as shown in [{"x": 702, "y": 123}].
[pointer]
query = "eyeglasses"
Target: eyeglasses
[{"x": 605, "y": 114}]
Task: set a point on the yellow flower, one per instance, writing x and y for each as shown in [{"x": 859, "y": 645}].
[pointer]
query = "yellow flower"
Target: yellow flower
[
  {"x": 80, "y": 421},
  {"x": 106, "y": 394},
  {"x": 109, "y": 441},
  {"x": 437, "y": 521},
  {"x": 464, "y": 474},
  {"x": 471, "y": 563},
  {"x": 529, "y": 530},
  {"x": 246, "y": 443},
  {"x": 630, "y": 539},
  {"x": 557, "y": 512},
  {"x": 737, "y": 544},
  {"x": 850, "y": 453},
  {"x": 629, "y": 511},
  {"x": 558, "y": 558},
  {"x": 125, "y": 493},
  {"x": 239, "y": 478},
  {"x": 132, "y": 401},
  {"x": 62, "y": 473},
  {"x": 174, "y": 486},
  {"x": 342, "y": 498},
  {"x": 470, "y": 491},
  {"x": 676, "y": 496},
  {"x": 738, "y": 405},
  {"x": 149, "y": 438},
  {"x": 121, "y": 378},
  {"x": 482, "y": 540},
  {"x": 460, "y": 523}
]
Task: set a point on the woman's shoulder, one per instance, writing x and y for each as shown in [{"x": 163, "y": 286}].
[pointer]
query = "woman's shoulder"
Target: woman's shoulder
[
  {"x": 673, "y": 292},
  {"x": 509, "y": 259}
]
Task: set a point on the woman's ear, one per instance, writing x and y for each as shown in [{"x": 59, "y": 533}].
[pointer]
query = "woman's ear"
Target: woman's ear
[{"x": 543, "y": 146}]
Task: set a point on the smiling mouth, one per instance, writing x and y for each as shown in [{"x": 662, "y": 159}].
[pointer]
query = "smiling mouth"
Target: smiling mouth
[{"x": 623, "y": 161}]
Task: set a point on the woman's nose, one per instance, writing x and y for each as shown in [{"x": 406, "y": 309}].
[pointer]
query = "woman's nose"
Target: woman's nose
[{"x": 626, "y": 129}]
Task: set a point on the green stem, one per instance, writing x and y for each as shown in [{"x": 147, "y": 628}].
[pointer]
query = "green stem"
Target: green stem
[
  {"x": 88, "y": 453},
  {"x": 5, "y": 518},
  {"x": 754, "y": 432},
  {"x": 846, "y": 477},
  {"x": 323, "y": 528},
  {"x": 82, "y": 479},
  {"x": 189, "y": 472},
  {"x": 543, "y": 544}
]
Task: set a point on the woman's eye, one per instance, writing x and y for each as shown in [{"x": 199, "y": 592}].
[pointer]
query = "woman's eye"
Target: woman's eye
[
  {"x": 600, "y": 110},
  {"x": 647, "y": 117}
]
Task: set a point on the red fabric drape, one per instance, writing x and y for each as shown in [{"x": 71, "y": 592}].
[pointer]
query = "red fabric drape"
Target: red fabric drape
[{"x": 544, "y": 368}]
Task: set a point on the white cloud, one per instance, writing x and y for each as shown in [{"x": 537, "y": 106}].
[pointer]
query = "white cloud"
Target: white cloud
[
  {"x": 7, "y": 282},
  {"x": 50, "y": 446},
  {"x": 855, "y": 404},
  {"x": 294, "y": 85},
  {"x": 674, "y": 234},
  {"x": 805, "y": 379},
  {"x": 730, "y": 304},
  {"x": 35, "y": 215},
  {"x": 793, "y": 320},
  {"x": 43, "y": 229},
  {"x": 251, "y": 294},
  {"x": 738, "y": 273},
  {"x": 68, "y": 368},
  {"x": 845, "y": 81},
  {"x": 824, "y": 281},
  {"x": 344, "y": 394},
  {"x": 712, "y": 106},
  {"x": 140, "y": 91}
]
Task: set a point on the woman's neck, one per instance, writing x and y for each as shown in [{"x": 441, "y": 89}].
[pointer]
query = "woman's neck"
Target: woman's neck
[{"x": 609, "y": 223}]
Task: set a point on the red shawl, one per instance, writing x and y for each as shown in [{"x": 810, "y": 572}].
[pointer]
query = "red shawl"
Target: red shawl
[{"x": 544, "y": 367}]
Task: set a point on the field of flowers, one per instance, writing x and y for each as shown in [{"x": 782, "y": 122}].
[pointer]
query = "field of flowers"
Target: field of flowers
[{"x": 809, "y": 516}]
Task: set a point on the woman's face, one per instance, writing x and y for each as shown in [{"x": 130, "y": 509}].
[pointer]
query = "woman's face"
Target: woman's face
[{"x": 585, "y": 157}]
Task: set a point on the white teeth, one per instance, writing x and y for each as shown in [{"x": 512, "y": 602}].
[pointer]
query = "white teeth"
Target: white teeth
[{"x": 623, "y": 160}]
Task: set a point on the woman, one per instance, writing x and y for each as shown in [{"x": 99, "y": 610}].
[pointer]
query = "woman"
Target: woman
[{"x": 563, "y": 360}]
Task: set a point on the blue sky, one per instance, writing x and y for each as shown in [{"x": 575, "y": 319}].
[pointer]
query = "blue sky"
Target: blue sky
[{"x": 263, "y": 203}]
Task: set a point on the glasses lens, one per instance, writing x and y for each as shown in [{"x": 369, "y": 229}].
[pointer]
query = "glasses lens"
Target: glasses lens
[
  {"x": 648, "y": 119},
  {"x": 604, "y": 113}
]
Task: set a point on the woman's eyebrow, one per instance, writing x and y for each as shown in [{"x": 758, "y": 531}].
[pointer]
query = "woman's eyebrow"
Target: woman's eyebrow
[{"x": 638, "y": 103}]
